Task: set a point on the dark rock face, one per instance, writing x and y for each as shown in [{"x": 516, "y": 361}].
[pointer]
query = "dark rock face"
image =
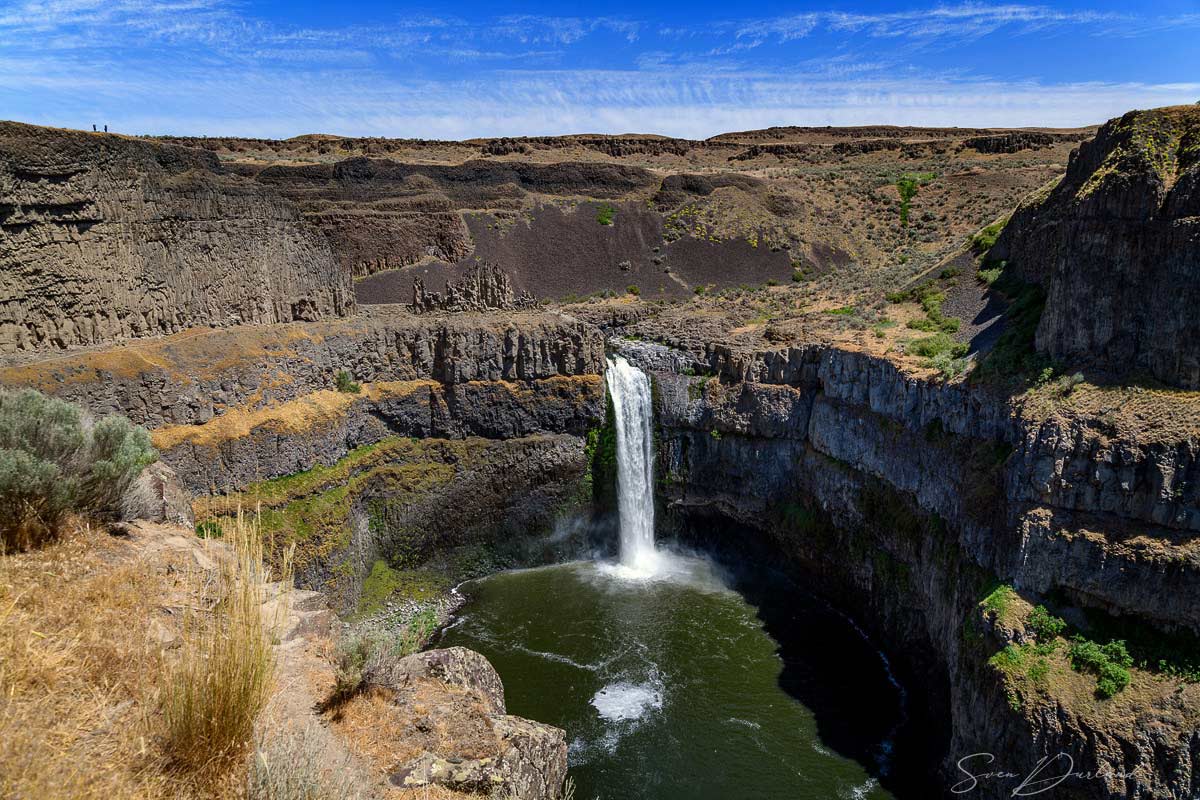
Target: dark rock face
[
  {"x": 271, "y": 448},
  {"x": 903, "y": 498},
  {"x": 1117, "y": 246},
  {"x": 1016, "y": 141},
  {"x": 107, "y": 238},
  {"x": 190, "y": 380},
  {"x": 382, "y": 214},
  {"x": 485, "y": 288}
]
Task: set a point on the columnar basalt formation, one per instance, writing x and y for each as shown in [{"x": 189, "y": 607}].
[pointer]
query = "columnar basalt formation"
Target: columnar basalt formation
[
  {"x": 436, "y": 443},
  {"x": 108, "y": 238},
  {"x": 485, "y": 287},
  {"x": 910, "y": 496},
  {"x": 189, "y": 379},
  {"x": 1117, "y": 245}
]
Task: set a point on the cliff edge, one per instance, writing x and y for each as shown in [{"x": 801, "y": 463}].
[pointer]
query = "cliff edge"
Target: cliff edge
[
  {"x": 1116, "y": 244},
  {"x": 108, "y": 238}
]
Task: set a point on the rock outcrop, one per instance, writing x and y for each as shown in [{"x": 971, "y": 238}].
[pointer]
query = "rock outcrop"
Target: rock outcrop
[
  {"x": 515, "y": 757},
  {"x": 108, "y": 238},
  {"x": 485, "y": 287},
  {"x": 905, "y": 498},
  {"x": 190, "y": 379},
  {"x": 1116, "y": 244},
  {"x": 235, "y": 450}
]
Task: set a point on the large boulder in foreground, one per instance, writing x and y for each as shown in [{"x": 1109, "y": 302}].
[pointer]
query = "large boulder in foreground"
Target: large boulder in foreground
[
  {"x": 456, "y": 731},
  {"x": 1116, "y": 244}
]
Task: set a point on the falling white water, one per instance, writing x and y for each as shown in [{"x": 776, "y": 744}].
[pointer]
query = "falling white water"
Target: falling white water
[{"x": 630, "y": 391}]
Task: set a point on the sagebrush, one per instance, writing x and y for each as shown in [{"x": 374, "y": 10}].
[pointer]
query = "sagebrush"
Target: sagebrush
[{"x": 56, "y": 460}]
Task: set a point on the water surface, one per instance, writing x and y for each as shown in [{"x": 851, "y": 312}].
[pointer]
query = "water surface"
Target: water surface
[{"x": 672, "y": 687}]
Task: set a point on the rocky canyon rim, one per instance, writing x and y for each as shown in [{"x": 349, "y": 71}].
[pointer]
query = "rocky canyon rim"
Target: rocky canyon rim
[{"x": 945, "y": 380}]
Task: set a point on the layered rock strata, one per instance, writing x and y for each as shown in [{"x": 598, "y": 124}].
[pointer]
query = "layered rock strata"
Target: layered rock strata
[{"x": 108, "y": 238}]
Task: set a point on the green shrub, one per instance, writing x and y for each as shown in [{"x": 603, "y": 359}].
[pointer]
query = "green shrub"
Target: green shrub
[
  {"x": 1044, "y": 625},
  {"x": 633, "y": 289},
  {"x": 1010, "y": 659},
  {"x": 359, "y": 655},
  {"x": 605, "y": 214},
  {"x": 1039, "y": 670},
  {"x": 798, "y": 276},
  {"x": 209, "y": 529},
  {"x": 991, "y": 275},
  {"x": 933, "y": 346},
  {"x": 54, "y": 460},
  {"x": 345, "y": 383},
  {"x": 1108, "y": 662},
  {"x": 986, "y": 238},
  {"x": 844, "y": 311},
  {"x": 949, "y": 365},
  {"x": 1067, "y": 383},
  {"x": 999, "y": 599}
]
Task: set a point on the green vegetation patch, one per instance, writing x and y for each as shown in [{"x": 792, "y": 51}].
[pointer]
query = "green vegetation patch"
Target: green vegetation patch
[
  {"x": 938, "y": 350},
  {"x": 986, "y": 238},
  {"x": 1000, "y": 600},
  {"x": 384, "y": 582},
  {"x": 1097, "y": 653},
  {"x": 1109, "y": 662},
  {"x": 55, "y": 461},
  {"x": 907, "y": 186},
  {"x": 1014, "y": 358},
  {"x": 345, "y": 383},
  {"x": 311, "y": 509},
  {"x": 605, "y": 214}
]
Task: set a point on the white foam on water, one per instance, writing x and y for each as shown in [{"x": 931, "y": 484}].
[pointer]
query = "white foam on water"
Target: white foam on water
[
  {"x": 745, "y": 722},
  {"x": 622, "y": 702},
  {"x": 864, "y": 789},
  {"x": 664, "y": 566},
  {"x": 561, "y": 659}
]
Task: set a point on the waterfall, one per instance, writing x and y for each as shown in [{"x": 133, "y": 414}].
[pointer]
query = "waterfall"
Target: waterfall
[{"x": 629, "y": 389}]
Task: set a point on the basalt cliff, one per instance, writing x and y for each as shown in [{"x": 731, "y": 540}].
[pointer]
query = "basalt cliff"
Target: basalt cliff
[{"x": 938, "y": 429}]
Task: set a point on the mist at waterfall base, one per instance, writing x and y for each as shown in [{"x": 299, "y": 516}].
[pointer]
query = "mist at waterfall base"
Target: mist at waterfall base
[{"x": 671, "y": 684}]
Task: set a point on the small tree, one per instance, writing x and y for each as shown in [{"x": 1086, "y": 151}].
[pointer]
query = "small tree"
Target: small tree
[
  {"x": 345, "y": 383},
  {"x": 55, "y": 460}
]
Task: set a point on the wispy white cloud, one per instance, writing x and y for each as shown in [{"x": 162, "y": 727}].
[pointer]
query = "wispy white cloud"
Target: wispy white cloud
[{"x": 207, "y": 66}]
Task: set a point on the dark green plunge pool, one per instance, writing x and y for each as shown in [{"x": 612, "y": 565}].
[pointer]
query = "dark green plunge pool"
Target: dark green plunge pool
[{"x": 677, "y": 686}]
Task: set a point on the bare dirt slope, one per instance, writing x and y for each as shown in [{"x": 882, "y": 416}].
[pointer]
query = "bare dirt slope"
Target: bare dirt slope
[{"x": 577, "y": 215}]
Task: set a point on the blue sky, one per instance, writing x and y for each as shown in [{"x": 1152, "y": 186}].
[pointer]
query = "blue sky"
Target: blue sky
[{"x": 272, "y": 68}]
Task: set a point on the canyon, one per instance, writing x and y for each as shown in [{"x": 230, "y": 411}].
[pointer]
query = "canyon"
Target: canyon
[{"x": 262, "y": 308}]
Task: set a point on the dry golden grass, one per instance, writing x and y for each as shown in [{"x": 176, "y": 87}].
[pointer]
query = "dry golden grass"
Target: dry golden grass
[
  {"x": 92, "y": 663},
  {"x": 294, "y": 416},
  {"x": 214, "y": 691},
  {"x": 78, "y": 673},
  {"x": 389, "y": 730}
]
